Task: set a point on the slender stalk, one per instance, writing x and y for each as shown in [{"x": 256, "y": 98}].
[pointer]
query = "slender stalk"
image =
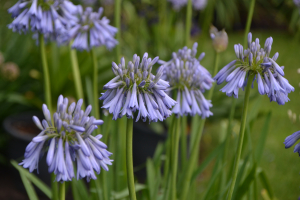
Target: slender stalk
[
  {"x": 62, "y": 191},
  {"x": 47, "y": 88},
  {"x": 188, "y": 21},
  {"x": 196, "y": 143},
  {"x": 175, "y": 147},
  {"x": 241, "y": 137},
  {"x": 95, "y": 88},
  {"x": 118, "y": 26},
  {"x": 129, "y": 160},
  {"x": 249, "y": 20},
  {"x": 76, "y": 74},
  {"x": 183, "y": 141},
  {"x": 54, "y": 187}
]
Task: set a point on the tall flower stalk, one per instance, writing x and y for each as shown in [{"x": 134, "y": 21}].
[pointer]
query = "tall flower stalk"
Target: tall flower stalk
[
  {"x": 129, "y": 160},
  {"x": 188, "y": 21}
]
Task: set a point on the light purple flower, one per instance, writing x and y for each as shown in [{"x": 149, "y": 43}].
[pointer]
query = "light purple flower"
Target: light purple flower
[
  {"x": 197, "y": 4},
  {"x": 67, "y": 139},
  {"x": 91, "y": 30},
  {"x": 255, "y": 60},
  {"x": 189, "y": 79},
  {"x": 49, "y": 18},
  {"x": 291, "y": 140},
  {"x": 136, "y": 88}
]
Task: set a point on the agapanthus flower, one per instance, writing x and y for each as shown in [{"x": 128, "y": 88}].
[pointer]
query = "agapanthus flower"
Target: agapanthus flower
[
  {"x": 255, "y": 60},
  {"x": 189, "y": 79},
  {"x": 91, "y": 30},
  {"x": 197, "y": 4},
  {"x": 67, "y": 140},
  {"x": 291, "y": 140},
  {"x": 136, "y": 88},
  {"x": 49, "y": 18}
]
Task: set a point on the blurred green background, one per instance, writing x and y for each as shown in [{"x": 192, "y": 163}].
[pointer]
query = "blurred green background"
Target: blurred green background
[{"x": 154, "y": 27}]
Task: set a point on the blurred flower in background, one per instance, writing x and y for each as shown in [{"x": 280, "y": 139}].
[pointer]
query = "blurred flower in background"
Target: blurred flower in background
[
  {"x": 50, "y": 18},
  {"x": 255, "y": 60},
  {"x": 10, "y": 71},
  {"x": 197, "y": 4},
  {"x": 66, "y": 139},
  {"x": 136, "y": 88},
  {"x": 91, "y": 31},
  {"x": 189, "y": 79},
  {"x": 220, "y": 39}
]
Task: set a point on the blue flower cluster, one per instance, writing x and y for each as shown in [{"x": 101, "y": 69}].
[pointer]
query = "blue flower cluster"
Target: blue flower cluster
[
  {"x": 136, "y": 88},
  {"x": 190, "y": 79},
  {"x": 255, "y": 60},
  {"x": 68, "y": 139},
  {"x": 62, "y": 21}
]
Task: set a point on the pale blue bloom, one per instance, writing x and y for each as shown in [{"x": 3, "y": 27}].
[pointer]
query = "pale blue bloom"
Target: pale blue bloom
[
  {"x": 136, "y": 88},
  {"x": 291, "y": 140},
  {"x": 91, "y": 30},
  {"x": 49, "y": 18},
  {"x": 68, "y": 138},
  {"x": 189, "y": 79},
  {"x": 255, "y": 60}
]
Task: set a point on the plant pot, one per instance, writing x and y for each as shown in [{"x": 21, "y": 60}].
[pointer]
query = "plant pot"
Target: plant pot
[
  {"x": 144, "y": 145},
  {"x": 22, "y": 129}
]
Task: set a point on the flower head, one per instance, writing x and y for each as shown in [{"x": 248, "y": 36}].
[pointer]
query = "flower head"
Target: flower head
[
  {"x": 291, "y": 140},
  {"x": 219, "y": 38},
  {"x": 68, "y": 139},
  {"x": 189, "y": 79},
  {"x": 50, "y": 18},
  {"x": 197, "y": 4},
  {"x": 255, "y": 60},
  {"x": 91, "y": 30},
  {"x": 136, "y": 88}
]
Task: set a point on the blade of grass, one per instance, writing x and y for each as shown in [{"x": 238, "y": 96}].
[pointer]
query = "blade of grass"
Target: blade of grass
[
  {"x": 34, "y": 179},
  {"x": 28, "y": 186},
  {"x": 266, "y": 184}
]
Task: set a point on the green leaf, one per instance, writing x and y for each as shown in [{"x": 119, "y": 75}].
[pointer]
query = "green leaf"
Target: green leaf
[
  {"x": 151, "y": 179},
  {"x": 209, "y": 158},
  {"x": 125, "y": 193},
  {"x": 213, "y": 179},
  {"x": 157, "y": 154},
  {"x": 244, "y": 187},
  {"x": 34, "y": 179},
  {"x": 28, "y": 186},
  {"x": 89, "y": 90},
  {"x": 240, "y": 175},
  {"x": 262, "y": 139},
  {"x": 265, "y": 182}
]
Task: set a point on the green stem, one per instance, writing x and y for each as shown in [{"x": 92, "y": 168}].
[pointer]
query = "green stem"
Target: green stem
[
  {"x": 95, "y": 88},
  {"x": 118, "y": 26},
  {"x": 76, "y": 74},
  {"x": 54, "y": 187},
  {"x": 183, "y": 141},
  {"x": 175, "y": 147},
  {"x": 188, "y": 22},
  {"x": 129, "y": 160},
  {"x": 241, "y": 137},
  {"x": 46, "y": 74},
  {"x": 62, "y": 191},
  {"x": 196, "y": 143},
  {"x": 249, "y": 20}
]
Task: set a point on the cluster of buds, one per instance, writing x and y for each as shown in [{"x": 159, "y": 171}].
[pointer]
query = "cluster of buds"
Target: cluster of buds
[
  {"x": 67, "y": 139},
  {"x": 255, "y": 60},
  {"x": 189, "y": 79},
  {"x": 136, "y": 88}
]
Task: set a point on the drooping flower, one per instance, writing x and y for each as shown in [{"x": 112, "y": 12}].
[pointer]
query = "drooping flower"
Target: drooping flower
[
  {"x": 68, "y": 139},
  {"x": 136, "y": 88},
  {"x": 255, "y": 60},
  {"x": 291, "y": 140},
  {"x": 197, "y": 4},
  {"x": 49, "y": 18},
  {"x": 189, "y": 79},
  {"x": 91, "y": 30}
]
